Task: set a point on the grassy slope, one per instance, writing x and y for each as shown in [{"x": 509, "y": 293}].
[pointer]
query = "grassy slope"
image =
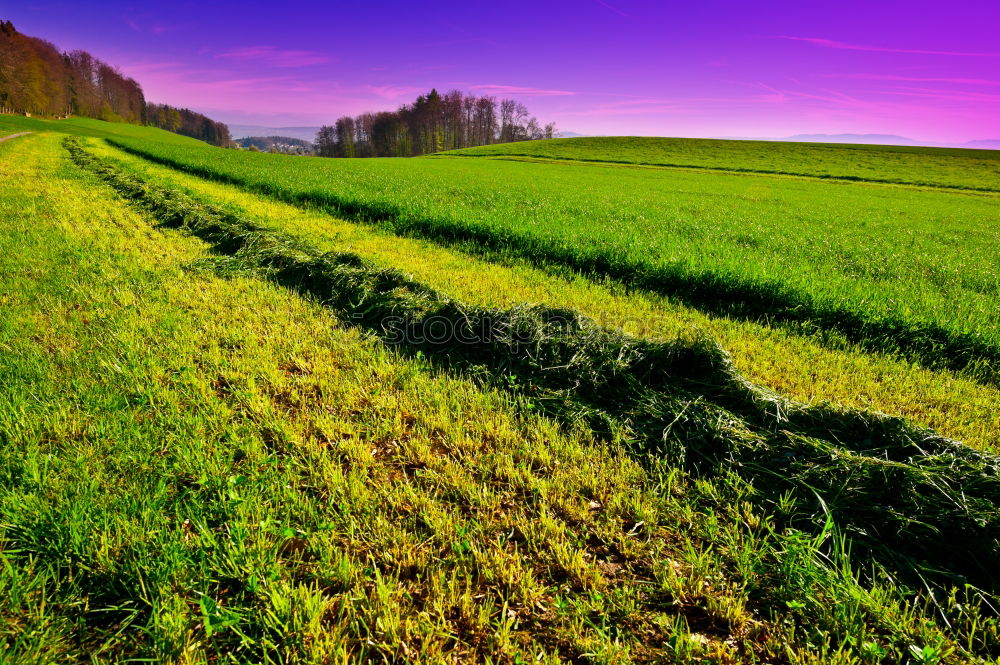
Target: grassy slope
[
  {"x": 790, "y": 364},
  {"x": 944, "y": 167},
  {"x": 894, "y": 269},
  {"x": 195, "y": 467},
  {"x": 10, "y": 124}
]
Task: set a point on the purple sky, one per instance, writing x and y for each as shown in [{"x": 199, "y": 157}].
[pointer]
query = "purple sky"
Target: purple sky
[{"x": 928, "y": 70}]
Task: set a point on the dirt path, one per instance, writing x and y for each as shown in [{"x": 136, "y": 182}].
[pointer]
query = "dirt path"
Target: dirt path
[{"x": 12, "y": 136}]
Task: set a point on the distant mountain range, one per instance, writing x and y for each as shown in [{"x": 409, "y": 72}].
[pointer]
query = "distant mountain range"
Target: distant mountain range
[
  {"x": 984, "y": 144},
  {"x": 301, "y": 133},
  {"x": 871, "y": 139}
]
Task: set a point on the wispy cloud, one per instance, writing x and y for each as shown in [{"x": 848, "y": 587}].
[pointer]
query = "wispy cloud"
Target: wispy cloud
[
  {"x": 799, "y": 102},
  {"x": 914, "y": 79},
  {"x": 830, "y": 43},
  {"x": 394, "y": 91},
  {"x": 947, "y": 95},
  {"x": 612, "y": 8},
  {"x": 830, "y": 99},
  {"x": 276, "y": 57},
  {"x": 163, "y": 76},
  {"x": 654, "y": 106},
  {"x": 493, "y": 89},
  {"x": 141, "y": 68},
  {"x": 156, "y": 28}
]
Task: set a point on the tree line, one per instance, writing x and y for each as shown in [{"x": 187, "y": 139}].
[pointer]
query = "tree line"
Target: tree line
[
  {"x": 434, "y": 122},
  {"x": 37, "y": 79},
  {"x": 188, "y": 123}
]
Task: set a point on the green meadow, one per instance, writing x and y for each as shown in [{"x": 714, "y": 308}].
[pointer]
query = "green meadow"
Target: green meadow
[
  {"x": 932, "y": 167},
  {"x": 678, "y": 416}
]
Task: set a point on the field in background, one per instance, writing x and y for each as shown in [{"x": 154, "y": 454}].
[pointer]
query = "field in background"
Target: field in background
[
  {"x": 893, "y": 270},
  {"x": 936, "y": 167},
  {"x": 209, "y": 451},
  {"x": 805, "y": 367}
]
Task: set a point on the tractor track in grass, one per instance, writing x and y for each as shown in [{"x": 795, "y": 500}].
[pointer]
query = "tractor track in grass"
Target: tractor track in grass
[
  {"x": 848, "y": 179},
  {"x": 13, "y": 136},
  {"x": 911, "y": 501},
  {"x": 715, "y": 293}
]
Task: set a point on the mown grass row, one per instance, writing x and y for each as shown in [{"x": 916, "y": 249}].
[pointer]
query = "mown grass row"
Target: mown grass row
[
  {"x": 957, "y": 334},
  {"x": 919, "y": 504},
  {"x": 955, "y": 168}
]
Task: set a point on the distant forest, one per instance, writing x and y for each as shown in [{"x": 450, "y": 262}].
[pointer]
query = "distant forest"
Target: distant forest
[
  {"x": 433, "y": 123},
  {"x": 188, "y": 123},
  {"x": 36, "y": 78}
]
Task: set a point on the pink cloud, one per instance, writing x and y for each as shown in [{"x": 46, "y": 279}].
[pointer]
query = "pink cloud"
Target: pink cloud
[
  {"x": 913, "y": 79},
  {"x": 156, "y": 28},
  {"x": 797, "y": 102},
  {"x": 276, "y": 57},
  {"x": 140, "y": 69},
  {"x": 394, "y": 91},
  {"x": 828, "y": 98},
  {"x": 518, "y": 90},
  {"x": 228, "y": 94},
  {"x": 947, "y": 95},
  {"x": 652, "y": 106},
  {"x": 178, "y": 84},
  {"x": 829, "y": 43}
]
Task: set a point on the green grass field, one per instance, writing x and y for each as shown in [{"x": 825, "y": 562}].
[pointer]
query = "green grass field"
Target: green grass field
[
  {"x": 934, "y": 167},
  {"x": 891, "y": 269},
  {"x": 223, "y": 438}
]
